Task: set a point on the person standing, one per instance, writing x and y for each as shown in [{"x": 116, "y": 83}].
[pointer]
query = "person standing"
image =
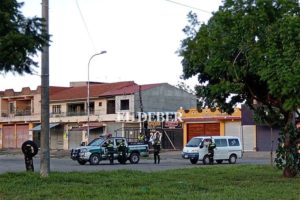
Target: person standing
[
  {"x": 122, "y": 150},
  {"x": 110, "y": 151},
  {"x": 156, "y": 147},
  {"x": 141, "y": 138},
  {"x": 211, "y": 152}
]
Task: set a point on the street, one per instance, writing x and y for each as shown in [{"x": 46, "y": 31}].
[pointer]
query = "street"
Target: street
[{"x": 169, "y": 160}]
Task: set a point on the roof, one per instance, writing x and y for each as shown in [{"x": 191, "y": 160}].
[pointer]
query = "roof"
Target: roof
[
  {"x": 38, "y": 127},
  {"x": 130, "y": 89},
  {"x": 96, "y": 90}
]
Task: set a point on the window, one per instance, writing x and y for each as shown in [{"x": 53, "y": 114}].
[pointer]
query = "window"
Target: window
[
  {"x": 111, "y": 107},
  {"x": 100, "y": 104},
  {"x": 56, "y": 109},
  {"x": 234, "y": 142},
  {"x": 124, "y": 104},
  {"x": 221, "y": 142}
]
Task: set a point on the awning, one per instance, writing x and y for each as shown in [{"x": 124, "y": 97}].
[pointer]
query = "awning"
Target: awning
[
  {"x": 38, "y": 127},
  {"x": 85, "y": 128}
]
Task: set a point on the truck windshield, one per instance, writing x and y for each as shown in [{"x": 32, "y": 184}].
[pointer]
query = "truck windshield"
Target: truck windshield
[
  {"x": 96, "y": 142},
  {"x": 194, "y": 142}
]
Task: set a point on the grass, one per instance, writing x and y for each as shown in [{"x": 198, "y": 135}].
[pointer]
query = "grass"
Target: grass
[{"x": 212, "y": 182}]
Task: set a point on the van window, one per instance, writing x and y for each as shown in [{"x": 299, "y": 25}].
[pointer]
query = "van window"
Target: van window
[
  {"x": 234, "y": 142},
  {"x": 194, "y": 142},
  {"x": 221, "y": 142}
]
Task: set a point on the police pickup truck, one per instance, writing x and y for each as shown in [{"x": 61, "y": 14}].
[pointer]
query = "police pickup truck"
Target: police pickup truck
[{"x": 96, "y": 151}]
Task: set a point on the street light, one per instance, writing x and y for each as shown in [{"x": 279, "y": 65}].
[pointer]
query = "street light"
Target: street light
[{"x": 88, "y": 93}]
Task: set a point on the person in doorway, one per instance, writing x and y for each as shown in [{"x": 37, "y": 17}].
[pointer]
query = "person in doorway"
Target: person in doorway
[{"x": 211, "y": 152}]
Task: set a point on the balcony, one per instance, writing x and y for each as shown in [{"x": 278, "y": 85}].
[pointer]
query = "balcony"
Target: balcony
[
  {"x": 19, "y": 115},
  {"x": 95, "y": 115}
]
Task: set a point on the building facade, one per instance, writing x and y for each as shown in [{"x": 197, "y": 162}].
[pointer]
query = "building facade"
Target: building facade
[
  {"x": 207, "y": 122},
  {"x": 113, "y": 108}
]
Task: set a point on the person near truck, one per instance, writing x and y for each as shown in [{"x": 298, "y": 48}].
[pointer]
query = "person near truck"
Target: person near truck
[
  {"x": 211, "y": 152},
  {"x": 122, "y": 150},
  {"x": 110, "y": 151},
  {"x": 141, "y": 138},
  {"x": 156, "y": 147}
]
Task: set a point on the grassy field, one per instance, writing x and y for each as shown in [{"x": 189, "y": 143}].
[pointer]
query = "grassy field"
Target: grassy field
[{"x": 212, "y": 182}]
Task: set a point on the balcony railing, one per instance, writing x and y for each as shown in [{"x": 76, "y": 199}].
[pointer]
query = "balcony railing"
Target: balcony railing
[{"x": 16, "y": 113}]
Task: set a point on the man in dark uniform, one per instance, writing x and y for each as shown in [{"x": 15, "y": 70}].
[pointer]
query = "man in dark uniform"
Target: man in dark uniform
[
  {"x": 156, "y": 146},
  {"x": 110, "y": 151},
  {"x": 211, "y": 152},
  {"x": 122, "y": 151}
]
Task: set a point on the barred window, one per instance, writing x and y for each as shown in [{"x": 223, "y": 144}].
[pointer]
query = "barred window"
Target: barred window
[{"x": 56, "y": 109}]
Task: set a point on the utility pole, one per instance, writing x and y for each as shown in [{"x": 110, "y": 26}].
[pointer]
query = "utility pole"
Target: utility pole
[{"x": 45, "y": 130}]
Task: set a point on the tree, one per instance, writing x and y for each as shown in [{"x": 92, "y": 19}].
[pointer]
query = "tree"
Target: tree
[
  {"x": 183, "y": 86},
  {"x": 248, "y": 52},
  {"x": 20, "y": 39}
]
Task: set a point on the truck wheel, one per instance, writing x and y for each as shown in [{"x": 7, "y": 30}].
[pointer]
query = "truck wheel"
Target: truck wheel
[
  {"x": 219, "y": 161},
  {"x": 81, "y": 162},
  {"x": 205, "y": 160},
  {"x": 232, "y": 159},
  {"x": 134, "y": 158},
  {"x": 194, "y": 160},
  {"x": 94, "y": 159}
]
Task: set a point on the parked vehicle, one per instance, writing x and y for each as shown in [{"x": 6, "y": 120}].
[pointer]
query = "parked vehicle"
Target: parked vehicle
[
  {"x": 96, "y": 151},
  {"x": 228, "y": 148}
]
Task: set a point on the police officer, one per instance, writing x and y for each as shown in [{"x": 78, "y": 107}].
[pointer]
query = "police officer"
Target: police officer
[
  {"x": 141, "y": 138},
  {"x": 110, "y": 150},
  {"x": 211, "y": 147},
  {"x": 156, "y": 147},
  {"x": 122, "y": 150}
]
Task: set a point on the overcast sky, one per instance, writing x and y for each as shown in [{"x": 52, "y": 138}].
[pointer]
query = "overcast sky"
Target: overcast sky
[{"x": 140, "y": 37}]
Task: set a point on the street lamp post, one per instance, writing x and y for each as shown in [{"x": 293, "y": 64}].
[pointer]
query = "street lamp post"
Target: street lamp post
[{"x": 88, "y": 93}]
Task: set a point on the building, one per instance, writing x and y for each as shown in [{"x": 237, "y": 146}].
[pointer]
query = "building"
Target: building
[
  {"x": 113, "y": 109},
  {"x": 209, "y": 122},
  {"x": 254, "y": 136}
]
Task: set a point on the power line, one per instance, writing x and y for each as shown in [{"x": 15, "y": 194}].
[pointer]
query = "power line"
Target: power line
[
  {"x": 188, "y": 6},
  {"x": 85, "y": 25}
]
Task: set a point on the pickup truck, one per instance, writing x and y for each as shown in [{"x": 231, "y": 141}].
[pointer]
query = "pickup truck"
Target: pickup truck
[{"x": 96, "y": 151}]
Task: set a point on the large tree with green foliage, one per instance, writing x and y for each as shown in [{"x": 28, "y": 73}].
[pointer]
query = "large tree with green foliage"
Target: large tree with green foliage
[
  {"x": 249, "y": 52},
  {"x": 20, "y": 38}
]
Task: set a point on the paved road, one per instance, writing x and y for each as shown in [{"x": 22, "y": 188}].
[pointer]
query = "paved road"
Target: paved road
[{"x": 170, "y": 160}]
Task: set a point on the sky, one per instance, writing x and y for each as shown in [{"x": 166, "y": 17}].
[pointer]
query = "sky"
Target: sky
[{"x": 141, "y": 38}]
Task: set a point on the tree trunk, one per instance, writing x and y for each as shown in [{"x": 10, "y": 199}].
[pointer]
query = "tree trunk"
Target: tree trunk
[{"x": 289, "y": 173}]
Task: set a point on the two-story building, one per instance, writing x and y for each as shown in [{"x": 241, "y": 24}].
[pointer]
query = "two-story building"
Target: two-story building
[{"x": 113, "y": 108}]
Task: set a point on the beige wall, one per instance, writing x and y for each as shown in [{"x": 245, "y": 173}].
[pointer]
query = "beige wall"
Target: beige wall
[
  {"x": 100, "y": 109},
  {"x": 37, "y": 104},
  {"x": 123, "y": 97}
]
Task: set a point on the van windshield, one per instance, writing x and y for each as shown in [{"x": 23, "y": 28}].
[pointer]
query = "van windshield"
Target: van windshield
[{"x": 194, "y": 142}]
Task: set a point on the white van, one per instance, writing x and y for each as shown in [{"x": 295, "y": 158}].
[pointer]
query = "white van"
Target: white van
[{"x": 228, "y": 148}]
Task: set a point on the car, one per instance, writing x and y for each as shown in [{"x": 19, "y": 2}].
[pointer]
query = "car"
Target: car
[{"x": 228, "y": 148}]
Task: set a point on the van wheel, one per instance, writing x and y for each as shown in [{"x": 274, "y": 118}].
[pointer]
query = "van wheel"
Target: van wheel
[
  {"x": 219, "y": 161},
  {"x": 94, "y": 159},
  {"x": 205, "y": 160},
  {"x": 232, "y": 159},
  {"x": 194, "y": 160}
]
